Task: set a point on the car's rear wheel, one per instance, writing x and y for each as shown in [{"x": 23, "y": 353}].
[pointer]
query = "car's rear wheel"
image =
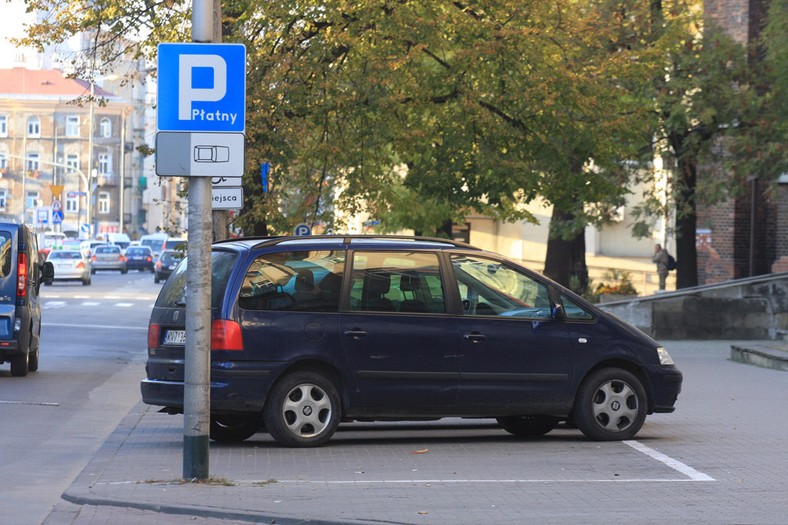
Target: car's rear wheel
[
  {"x": 234, "y": 429},
  {"x": 32, "y": 361},
  {"x": 19, "y": 364},
  {"x": 302, "y": 410},
  {"x": 86, "y": 281},
  {"x": 528, "y": 426},
  {"x": 610, "y": 405}
]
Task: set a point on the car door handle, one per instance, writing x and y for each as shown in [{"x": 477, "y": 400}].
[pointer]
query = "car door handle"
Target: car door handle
[
  {"x": 474, "y": 337},
  {"x": 356, "y": 333}
]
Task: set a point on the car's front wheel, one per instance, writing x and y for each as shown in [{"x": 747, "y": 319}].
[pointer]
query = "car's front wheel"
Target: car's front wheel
[
  {"x": 234, "y": 429},
  {"x": 302, "y": 410},
  {"x": 610, "y": 405},
  {"x": 528, "y": 426}
]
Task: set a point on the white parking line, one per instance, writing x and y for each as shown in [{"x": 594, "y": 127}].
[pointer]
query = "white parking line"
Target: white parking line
[{"x": 675, "y": 464}]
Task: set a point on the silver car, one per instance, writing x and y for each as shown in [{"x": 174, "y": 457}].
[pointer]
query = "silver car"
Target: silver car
[
  {"x": 70, "y": 265},
  {"x": 108, "y": 257}
]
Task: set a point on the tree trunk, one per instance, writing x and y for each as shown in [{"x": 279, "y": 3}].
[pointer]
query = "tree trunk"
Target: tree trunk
[
  {"x": 566, "y": 259},
  {"x": 686, "y": 225}
]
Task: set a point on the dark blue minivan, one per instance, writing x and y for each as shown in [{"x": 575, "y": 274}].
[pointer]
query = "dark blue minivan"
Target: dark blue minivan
[
  {"x": 21, "y": 275},
  {"x": 308, "y": 332}
]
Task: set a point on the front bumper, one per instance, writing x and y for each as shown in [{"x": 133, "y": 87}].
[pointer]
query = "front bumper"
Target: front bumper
[{"x": 666, "y": 385}]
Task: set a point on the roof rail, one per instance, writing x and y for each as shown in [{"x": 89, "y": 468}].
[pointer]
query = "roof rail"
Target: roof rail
[{"x": 350, "y": 238}]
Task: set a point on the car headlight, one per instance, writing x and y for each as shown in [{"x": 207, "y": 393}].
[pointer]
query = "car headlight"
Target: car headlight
[{"x": 664, "y": 356}]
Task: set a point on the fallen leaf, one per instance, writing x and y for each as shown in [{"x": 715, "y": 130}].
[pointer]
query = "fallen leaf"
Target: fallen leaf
[{"x": 422, "y": 451}]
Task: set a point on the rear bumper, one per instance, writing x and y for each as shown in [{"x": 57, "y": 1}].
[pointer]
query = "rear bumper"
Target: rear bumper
[{"x": 230, "y": 392}]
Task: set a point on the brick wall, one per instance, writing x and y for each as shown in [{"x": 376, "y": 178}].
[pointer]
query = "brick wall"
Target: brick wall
[{"x": 729, "y": 247}]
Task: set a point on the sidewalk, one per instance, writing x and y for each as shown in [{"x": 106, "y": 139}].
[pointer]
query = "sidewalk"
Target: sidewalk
[{"x": 365, "y": 475}]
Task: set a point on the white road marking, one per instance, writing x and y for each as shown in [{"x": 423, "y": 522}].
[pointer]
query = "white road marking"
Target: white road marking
[
  {"x": 124, "y": 305},
  {"x": 675, "y": 464},
  {"x": 99, "y": 326}
]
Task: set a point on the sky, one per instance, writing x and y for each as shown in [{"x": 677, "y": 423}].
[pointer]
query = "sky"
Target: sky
[{"x": 14, "y": 17}]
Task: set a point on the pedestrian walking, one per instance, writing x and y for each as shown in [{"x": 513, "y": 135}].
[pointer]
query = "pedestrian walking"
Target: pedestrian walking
[{"x": 661, "y": 257}]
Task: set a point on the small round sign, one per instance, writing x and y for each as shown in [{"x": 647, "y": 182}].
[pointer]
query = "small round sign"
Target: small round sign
[{"x": 302, "y": 229}]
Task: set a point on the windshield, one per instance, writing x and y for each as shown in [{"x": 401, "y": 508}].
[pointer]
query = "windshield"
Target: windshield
[{"x": 154, "y": 244}]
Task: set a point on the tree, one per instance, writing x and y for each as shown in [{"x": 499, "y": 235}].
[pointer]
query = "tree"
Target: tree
[{"x": 707, "y": 105}]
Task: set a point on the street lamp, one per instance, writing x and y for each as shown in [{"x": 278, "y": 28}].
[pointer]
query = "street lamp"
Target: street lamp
[{"x": 89, "y": 189}]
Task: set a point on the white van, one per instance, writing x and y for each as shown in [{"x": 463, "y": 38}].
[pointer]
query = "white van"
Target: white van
[
  {"x": 158, "y": 242},
  {"x": 119, "y": 239}
]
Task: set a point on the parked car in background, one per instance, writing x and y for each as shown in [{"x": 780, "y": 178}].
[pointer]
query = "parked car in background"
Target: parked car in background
[
  {"x": 166, "y": 263},
  {"x": 21, "y": 273},
  {"x": 139, "y": 258},
  {"x": 70, "y": 265},
  {"x": 108, "y": 257},
  {"x": 307, "y": 332}
]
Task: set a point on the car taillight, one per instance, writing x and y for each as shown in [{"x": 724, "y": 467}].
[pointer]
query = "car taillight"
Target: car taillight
[
  {"x": 80, "y": 265},
  {"x": 93, "y": 258},
  {"x": 226, "y": 335},
  {"x": 153, "y": 335},
  {"x": 21, "y": 275},
  {"x": 149, "y": 259}
]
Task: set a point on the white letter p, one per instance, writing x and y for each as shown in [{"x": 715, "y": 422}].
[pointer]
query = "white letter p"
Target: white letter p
[{"x": 188, "y": 94}]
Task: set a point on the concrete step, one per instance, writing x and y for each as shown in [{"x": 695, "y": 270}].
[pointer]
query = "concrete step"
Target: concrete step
[{"x": 766, "y": 354}]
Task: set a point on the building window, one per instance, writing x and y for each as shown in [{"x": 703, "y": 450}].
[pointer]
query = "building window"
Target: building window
[
  {"x": 105, "y": 163},
  {"x": 3, "y": 125},
  {"x": 103, "y": 202},
  {"x": 72, "y": 161},
  {"x": 3, "y": 199},
  {"x": 105, "y": 127},
  {"x": 31, "y": 161},
  {"x": 3, "y": 160},
  {"x": 33, "y": 127},
  {"x": 31, "y": 199},
  {"x": 72, "y": 203},
  {"x": 72, "y": 126}
]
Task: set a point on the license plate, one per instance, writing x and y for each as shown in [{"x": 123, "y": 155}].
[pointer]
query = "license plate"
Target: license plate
[{"x": 175, "y": 337}]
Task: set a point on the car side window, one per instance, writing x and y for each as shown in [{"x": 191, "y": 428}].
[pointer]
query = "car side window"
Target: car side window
[
  {"x": 303, "y": 281},
  {"x": 573, "y": 311},
  {"x": 488, "y": 287},
  {"x": 397, "y": 282}
]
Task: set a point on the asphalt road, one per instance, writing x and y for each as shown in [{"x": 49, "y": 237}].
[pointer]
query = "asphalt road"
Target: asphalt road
[{"x": 91, "y": 361}]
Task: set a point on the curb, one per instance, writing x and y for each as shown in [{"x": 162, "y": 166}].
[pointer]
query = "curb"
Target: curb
[{"x": 766, "y": 355}]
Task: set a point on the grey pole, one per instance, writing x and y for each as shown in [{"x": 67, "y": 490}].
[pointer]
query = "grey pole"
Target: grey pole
[{"x": 197, "y": 377}]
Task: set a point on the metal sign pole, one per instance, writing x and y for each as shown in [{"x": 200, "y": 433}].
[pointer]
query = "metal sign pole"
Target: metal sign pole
[{"x": 197, "y": 377}]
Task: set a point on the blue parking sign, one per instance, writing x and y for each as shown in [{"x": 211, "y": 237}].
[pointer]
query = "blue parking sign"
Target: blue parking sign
[{"x": 202, "y": 87}]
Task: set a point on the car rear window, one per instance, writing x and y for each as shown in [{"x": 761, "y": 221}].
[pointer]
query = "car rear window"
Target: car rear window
[
  {"x": 173, "y": 293},
  {"x": 107, "y": 249}
]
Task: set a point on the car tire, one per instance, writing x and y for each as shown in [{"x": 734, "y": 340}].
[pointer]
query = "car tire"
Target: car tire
[
  {"x": 32, "y": 361},
  {"x": 47, "y": 284},
  {"x": 19, "y": 365},
  {"x": 124, "y": 272},
  {"x": 156, "y": 279},
  {"x": 92, "y": 271},
  {"x": 302, "y": 410},
  {"x": 610, "y": 405},
  {"x": 528, "y": 426},
  {"x": 234, "y": 429},
  {"x": 86, "y": 282}
]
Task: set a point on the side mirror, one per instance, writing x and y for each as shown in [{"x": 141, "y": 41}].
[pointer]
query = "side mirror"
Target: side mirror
[
  {"x": 47, "y": 273},
  {"x": 558, "y": 312}
]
